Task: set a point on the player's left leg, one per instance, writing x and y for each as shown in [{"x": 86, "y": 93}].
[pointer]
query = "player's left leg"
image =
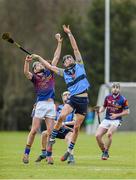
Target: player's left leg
[
  {"x": 67, "y": 109},
  {"x": 78, "y": 122},
  {"x": 68, "y": 138}
]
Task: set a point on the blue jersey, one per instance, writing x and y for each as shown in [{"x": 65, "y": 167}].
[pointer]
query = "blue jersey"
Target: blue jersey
[
  {"x": 69, "y": 117},
  {"x": 115, "y": 105},
  {"x": 63, "y": 131},
  {"x": 76, "y": 80},
  {"x": 44, "y": 85}
]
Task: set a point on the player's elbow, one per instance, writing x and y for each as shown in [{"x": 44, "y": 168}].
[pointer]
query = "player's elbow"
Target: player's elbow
[
  {"x": 25, "y": 73},
  {"x": 76, "y": 50}
]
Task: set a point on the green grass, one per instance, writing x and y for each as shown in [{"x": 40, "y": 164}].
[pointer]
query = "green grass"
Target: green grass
[{"x": 121, "y": 164}]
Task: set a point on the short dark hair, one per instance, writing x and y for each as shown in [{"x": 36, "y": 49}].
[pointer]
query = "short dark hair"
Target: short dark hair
[
  {"x": 115, "y": 84},
  {"x": 66, "y": 57},
  {"x": 65, "y": 92}
]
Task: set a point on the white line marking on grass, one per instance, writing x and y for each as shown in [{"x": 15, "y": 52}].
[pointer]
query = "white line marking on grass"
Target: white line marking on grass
[{"x": 107, "y": 169}]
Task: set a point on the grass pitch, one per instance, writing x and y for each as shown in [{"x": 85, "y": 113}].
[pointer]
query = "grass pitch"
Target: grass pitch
[{"x": 120, "y": 165}]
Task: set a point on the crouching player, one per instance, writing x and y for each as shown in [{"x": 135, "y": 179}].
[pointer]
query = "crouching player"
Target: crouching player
[
  {"x": 65, "y": 132},
  {"x": 116, "y": 106}
]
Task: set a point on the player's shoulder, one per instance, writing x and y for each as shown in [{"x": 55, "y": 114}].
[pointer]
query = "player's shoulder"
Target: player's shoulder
[
  {"x": 47, "y": 72},
  {"x": 123, "y": 97},
  {"x": 108, "y": 96},
  {"x": 80, "y": 64}
]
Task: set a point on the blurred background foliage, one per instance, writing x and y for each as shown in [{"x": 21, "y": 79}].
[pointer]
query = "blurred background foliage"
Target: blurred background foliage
[{"x": 34, "y": 23}]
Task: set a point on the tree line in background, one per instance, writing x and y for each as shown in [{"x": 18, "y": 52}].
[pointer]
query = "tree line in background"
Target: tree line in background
[{"x": 34, "y": 23}]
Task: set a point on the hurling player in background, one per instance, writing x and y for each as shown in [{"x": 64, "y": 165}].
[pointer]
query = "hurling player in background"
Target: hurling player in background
[{"x": 116, "y": 106}]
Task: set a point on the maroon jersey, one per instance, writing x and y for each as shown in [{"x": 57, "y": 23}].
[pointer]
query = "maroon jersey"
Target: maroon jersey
[{"x": 115, "y": 105}]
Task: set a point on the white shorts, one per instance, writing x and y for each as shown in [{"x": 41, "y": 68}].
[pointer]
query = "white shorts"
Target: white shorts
[
  {"x": 45, "y": 109},
  {"x": 107, "y": 123}
]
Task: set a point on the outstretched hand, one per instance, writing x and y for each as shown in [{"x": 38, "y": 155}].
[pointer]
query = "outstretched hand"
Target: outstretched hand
[
  {"x": 58, "y": 37},
  {"x": 66, "y": 29}
]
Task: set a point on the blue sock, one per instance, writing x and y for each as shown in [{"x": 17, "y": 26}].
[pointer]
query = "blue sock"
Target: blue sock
[
  {"x": 71, "y": 146},
  {"x": 27, "y": 150},
  {"x": 48, "y": 153},
  {"x": 106, "y": 150},
  {"x": 54, "y": 133},
  {"x": 44, "y": 152}
]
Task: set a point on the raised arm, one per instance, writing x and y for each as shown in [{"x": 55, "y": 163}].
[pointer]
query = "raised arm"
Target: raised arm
[
  {"x": 58, "y": 50},
  {"x": 27, "y": 73},
  {"x": 73, "y": 44},
  {"x": 55, "y": 69}
]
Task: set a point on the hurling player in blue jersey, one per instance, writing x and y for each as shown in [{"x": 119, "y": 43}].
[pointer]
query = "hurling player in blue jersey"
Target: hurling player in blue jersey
[
  {"x": 65, "y": 132},
  {"x": 116, "y": 106},
  {"x": 77, "y": 84},
  {"x": 43, "y": 81}
]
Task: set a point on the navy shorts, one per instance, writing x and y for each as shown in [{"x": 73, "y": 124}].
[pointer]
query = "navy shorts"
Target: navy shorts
[
  {"x": 79, "y": 104},
  {"x": 63, "y": 132}
]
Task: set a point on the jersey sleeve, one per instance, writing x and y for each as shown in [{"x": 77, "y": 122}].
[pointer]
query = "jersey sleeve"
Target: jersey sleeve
[
  {"x": 60, "y": 72},
  {"x": 48, "y": 72},
  {"x": 33, "y": 78},
  {"x": 125, "y": 106}
]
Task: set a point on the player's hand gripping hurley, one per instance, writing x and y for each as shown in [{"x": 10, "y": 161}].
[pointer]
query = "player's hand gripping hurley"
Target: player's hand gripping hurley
[{"x": 96, "y": 109}]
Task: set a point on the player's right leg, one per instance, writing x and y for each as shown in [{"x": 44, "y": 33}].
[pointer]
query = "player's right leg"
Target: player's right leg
[
  {"x": 78, "y": 122},
  {"x": 49, "y": 124},
  {"x": 71, "y": 159},
  {"x": 99, "y": 134},
  {"x": 67, "y": 109},
  {"x": 102, "y": 129},
  {"x": 30, "y": 139},
  {"x": 44, "y": 138}
]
